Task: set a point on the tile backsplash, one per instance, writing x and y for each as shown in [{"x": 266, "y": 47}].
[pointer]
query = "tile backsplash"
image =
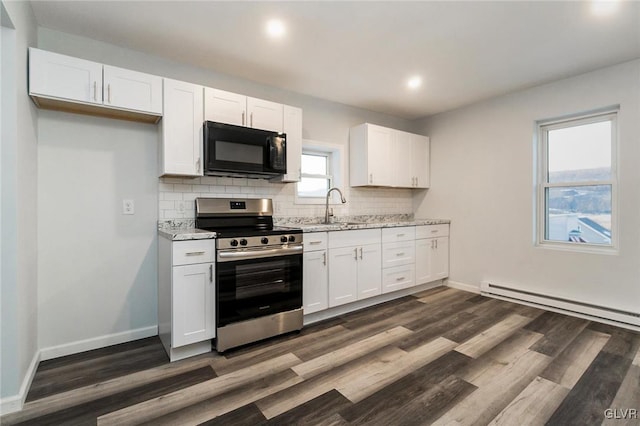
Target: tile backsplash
[{"x": 177, "y": 195}]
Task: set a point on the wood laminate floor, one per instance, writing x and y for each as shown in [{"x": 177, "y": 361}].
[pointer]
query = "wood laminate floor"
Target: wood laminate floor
[{"x": 443, "y": 357}]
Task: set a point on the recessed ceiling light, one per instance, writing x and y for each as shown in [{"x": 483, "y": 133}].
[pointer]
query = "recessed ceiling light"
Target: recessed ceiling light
[
  {"x": 276, "y": 28},
  {"x": 414, "y": 82},
  {"x": 604, "y": 7}
]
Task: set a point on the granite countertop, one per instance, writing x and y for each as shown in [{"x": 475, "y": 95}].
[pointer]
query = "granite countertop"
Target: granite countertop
[
  {"x": 183, "y": 234},
  {"x": 342, "y": 226}
]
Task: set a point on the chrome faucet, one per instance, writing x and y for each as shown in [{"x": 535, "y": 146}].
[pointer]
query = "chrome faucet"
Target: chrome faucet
[{"x": 326, "y": 211}]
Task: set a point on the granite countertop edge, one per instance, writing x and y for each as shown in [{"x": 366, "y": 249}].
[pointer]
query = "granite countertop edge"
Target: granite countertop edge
[
  {"x": 321, "y": 227},
  {"x": 185, "y": 234}
]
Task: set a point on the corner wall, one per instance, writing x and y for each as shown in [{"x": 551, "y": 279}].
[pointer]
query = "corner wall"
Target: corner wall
[
  {"x": 482, "y": 178},
  {"x": 19, "y": 349}
]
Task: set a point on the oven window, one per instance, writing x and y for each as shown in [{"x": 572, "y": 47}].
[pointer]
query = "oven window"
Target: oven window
[
  {"x": 263, "y": 279},
  {"x": 238, "y": 152}
]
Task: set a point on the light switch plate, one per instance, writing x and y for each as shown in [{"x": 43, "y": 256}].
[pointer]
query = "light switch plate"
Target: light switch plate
[{"x": 128, "y": 207}]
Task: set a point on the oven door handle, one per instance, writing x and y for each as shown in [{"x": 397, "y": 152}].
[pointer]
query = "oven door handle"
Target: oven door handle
[{"x": 231, "y": 255}]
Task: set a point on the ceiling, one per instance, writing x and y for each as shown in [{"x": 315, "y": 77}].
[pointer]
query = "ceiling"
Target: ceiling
[{"x": 362, "y": 53}]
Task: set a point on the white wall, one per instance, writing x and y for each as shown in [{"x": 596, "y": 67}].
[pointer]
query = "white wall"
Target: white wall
[
  {"x": 97, "y": 267},
  {"x": 19, "y": 193},
  {"x": 482, "y": 178}
]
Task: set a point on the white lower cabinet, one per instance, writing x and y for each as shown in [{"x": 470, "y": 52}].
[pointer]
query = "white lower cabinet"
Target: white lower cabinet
[
  {"x": 354, "y": 270},
  {"x": 432, "y": 253},
  {"x": 186, "y": 296},
  {"x": 315, "y": 270}
]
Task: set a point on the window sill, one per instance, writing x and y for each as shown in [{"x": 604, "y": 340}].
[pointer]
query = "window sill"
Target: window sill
[{"x": 579, "y": 248}]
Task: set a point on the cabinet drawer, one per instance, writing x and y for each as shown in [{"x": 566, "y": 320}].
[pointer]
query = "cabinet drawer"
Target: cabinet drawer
[
  {"x": 396, "y": 254},
  {"x": 315, "y": 241},
  {"x": 432, "y": 231},
  {"x": 397, "y": 278},
  {"x": 194, "y": 251},
  {"x": 403, "y": 233},
  {"x": 354, "y": 238}
]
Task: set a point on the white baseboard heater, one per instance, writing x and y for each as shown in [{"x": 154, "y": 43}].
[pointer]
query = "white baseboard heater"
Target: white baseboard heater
[{"x": 571, "y": 307}]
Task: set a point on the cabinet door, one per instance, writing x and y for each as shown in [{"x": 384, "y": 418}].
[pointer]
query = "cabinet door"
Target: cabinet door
[
  {"x": 225, "y": 107},
  {"x": 424, "y": 270},
  {"x": 369, "y": 271},
  {"x": 379, "y": 147},
  {"x": 132, "y": 90},
  {"x": 343, "y": 276},
  {"x": 292, "y": 126},
  {"x": 264, "y": 115},
  {"x": 402, "y": 160},
  {"x": 64, "y": 77},
  {"x": 315, "y": 285},
  {"x": 420, "y": 163},
  {"x": 193, "y": 316},
  {"x": 182, "y": 129},
  {"x": 440, "y": 260}
]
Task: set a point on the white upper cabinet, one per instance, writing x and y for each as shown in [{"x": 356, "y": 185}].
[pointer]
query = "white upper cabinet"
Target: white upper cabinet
[
  {"x": 370, "y": 149},
  {"x": 265, "y": 115},
  {"x": 380, "y": 156},
  {"x": 75, "y": 85},
  {"x": 292, "y": 127},
  {"x": 240, "y": 110},
  {"x": 225, "y": 107},
  {"x": 132, "y": 90},
  {"x": 64, "y": 77},
  {"x": 181, "y": 129},
  {"x": 420, "y": 163}
]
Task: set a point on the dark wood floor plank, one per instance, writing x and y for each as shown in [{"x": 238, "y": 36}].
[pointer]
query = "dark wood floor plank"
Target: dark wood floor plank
[
  {"x": 398, "y": 393},
  {"x": 488, "y": 314},
  {"x": 249, "y": 415},
  {"x": 318, "y": 410},
  {"x": 90, "y": 371},
  {"x": 567, "y": 368},
  {"x": 438, "y": 313},
  {"x": 383, "y": 312},
  {"x": 429, "y": 291},
  {"x": 87, "y": 413},
  {"x": 545, "y": 322},
  {"x": 560, "y": 335},
  {"x": 593, "y": 393},
  {"x": 628, "y": 397},
  {"x": 434, "y": 330}
]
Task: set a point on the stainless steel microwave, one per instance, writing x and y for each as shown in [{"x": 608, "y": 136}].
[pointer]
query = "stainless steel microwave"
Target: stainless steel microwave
[{"x": 242, "y": 151}]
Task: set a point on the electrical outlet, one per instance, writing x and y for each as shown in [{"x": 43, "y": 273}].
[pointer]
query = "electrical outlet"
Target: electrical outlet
[{"x": 128, "y": 207}]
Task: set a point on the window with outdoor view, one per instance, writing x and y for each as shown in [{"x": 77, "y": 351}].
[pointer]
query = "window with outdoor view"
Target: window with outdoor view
[
  {"x": 315, "y": 172},
  {"x": 577, "y": 181}
]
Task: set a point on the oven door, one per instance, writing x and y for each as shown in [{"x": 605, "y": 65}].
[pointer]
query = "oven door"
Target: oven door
[{"x": 251, "y": 288}]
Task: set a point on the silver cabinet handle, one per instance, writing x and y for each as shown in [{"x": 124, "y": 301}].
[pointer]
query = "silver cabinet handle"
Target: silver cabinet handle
[
  {"x": 360, "y": 253},
  {"x": 324, "y": 258},
  {"x": 416, "y": 180},
  {"x": 400, "y": 235},
  {"x": 194, "y": 253},
  {"x": 95, "y": 91},
  {"x": 436, "y": 244},
  {"x": 433, "y": 244},
  {"x": 433, "y": 231},
  {"x": 243, "y": 118},
  {"x": 399, "y": 254},
  {"x": 211, "y": 273},
  {"x": 314, "y": 242},
  {"x": 355, "y": 253},
  {"x": 370, "y": 177},
  {"x": 109, "y": 92},
  {"x": 251, "y": 116},
  {"x": 399, "y": 278}
]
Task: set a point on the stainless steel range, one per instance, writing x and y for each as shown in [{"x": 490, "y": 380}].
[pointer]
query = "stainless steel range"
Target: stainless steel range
[{"x": 258, "y": 270}]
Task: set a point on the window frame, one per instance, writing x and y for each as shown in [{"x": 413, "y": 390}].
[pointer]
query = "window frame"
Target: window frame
[
  {"x": 329, "y": 176},
  {"x": 543, "y": 184},
  {"x": 336, "y": 167}
]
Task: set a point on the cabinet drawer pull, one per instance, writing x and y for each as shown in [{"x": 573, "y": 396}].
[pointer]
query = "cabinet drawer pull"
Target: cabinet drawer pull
[
  {"x": 433, "y": 231},
  {"x": 313, "y": 243},
  {"x": 400, "y": 235},
  {"x": 399, "y": 254},
  {"x": 194, "y": 253},
  {"x": 399, "y": 278}
]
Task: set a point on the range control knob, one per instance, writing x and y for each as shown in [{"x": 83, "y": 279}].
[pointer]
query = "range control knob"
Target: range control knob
[
  {"x": 283, "y": 239},
  {"x": 292, "y": 238},
  {"x": 264, "y": 240},
  {"x": 234, "y": 243},
  {"x": 243, "y": 242}
]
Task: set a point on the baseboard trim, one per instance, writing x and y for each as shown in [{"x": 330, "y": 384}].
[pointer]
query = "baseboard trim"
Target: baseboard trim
[
  {"x": 97, "y": 342},
  {"x": 15, "y": 403},
  {"x": 463, "y": 286}
]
